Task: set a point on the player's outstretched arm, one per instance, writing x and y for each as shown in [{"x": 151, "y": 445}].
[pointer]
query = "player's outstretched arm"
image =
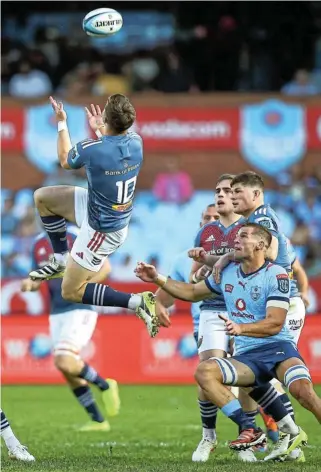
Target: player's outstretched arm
[
  {"x": 163, "y": 301},
  {"x": 64, "y": 143},
  {"x": 180, "y": 290}
]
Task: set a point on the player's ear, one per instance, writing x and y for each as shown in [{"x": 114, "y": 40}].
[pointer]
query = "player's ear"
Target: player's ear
[{"x": 256, "y": 194}]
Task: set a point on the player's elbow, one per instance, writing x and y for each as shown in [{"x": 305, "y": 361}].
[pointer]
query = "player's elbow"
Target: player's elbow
[
  {"x": 273, "y": 329},
  {"x": 64, "y": 164}
]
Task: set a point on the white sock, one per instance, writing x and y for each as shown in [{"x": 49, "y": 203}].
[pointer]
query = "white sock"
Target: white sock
[
  {"x": 61, "y": 258},
  {"x": 287, "y": 425},
  {"x": 209, "y": 434},
  {"x": 134, "y": 301},
  {"x": 9, "y": 438}
]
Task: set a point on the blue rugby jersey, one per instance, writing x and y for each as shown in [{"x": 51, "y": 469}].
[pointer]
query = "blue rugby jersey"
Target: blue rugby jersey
[
  {"x": 112, "y": 165},
  {"x": 41, "y": 252},
  {"x": 247, "y": 295}
]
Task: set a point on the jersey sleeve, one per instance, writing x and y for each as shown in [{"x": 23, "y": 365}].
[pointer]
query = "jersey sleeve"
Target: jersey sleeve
[
  {"x": 78, "y": 155},
  {"x": 212, "y": 285},
  {"x": 197, "y": 241},
  {"x": 268, "y": 222},
  {"x": 278, "y": 288}
]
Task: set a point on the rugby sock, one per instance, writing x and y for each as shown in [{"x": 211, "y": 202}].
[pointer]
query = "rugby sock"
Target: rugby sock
[
  {"x": 208, "y": 415},
  {"x": 87, "y": 401},
  {"x": 288, "y": 405},
  {"x": 233, "y": 410},
  {"x": 251, "y": 416},
  {"x": 268, "y": 399},
  {"x": 56, "y": 229},
  {"x": 91, "y": 375},
  {"x": 7, "y": 433},
  {"x": 103, "y": 295}
]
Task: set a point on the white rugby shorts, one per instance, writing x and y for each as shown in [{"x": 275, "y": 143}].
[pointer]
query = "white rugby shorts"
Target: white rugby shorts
[
  {"x": 295, "y": 317},
  {"x": 71, "y": 331},
  {"x": 91, "y": 247},
  {"x": 211, "y": 333}
]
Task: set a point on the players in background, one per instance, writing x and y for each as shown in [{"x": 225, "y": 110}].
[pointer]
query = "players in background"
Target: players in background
[
  {"x": 180, "y": 270},
  {"x": 257, "y": 295},
  {"x": 112, "y": 165},
  {"x": 15, "y": 449},
  {"x": 71, "y": 328}
]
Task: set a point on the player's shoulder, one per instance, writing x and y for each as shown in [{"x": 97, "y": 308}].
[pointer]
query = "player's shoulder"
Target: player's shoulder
[
  {"x": 265, "y": 216},
  {"x": 273, "y": 270},
  {"x": 208, "y": 227},
  {"x": 133, "y": 135},
  {"x": 89, "y": 142}
]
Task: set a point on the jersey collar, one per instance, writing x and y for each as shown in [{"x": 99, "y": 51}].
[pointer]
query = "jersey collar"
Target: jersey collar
[{"x": 266, "y": 263}]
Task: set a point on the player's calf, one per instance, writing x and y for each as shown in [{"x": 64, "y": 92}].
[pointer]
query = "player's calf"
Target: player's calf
[{"x": 303, "y": 391}]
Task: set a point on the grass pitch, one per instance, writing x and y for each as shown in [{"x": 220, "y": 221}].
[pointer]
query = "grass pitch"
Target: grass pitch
[{"x": 157, "y": 430}]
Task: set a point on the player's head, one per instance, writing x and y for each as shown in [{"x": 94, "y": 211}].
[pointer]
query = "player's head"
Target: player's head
[
  {"x": 119, "y": 114},
  {"x": 209, "y": 215},
  {"x": 251, "y": 239},
  {"x": 223, "y": 194},
  {"x": 248, "y": 192}
]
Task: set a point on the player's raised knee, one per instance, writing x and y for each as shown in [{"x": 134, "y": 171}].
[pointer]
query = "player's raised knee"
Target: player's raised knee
[
  {"x": 65, "y": 363},
  {"x": 39, "y": 196},
  {"x": 207, "y": 370}
]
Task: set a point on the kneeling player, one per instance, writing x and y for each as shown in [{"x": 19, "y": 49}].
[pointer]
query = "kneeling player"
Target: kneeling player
[
  {"x": 71, "y": 328},
  {"x": 257, "y": 296}
]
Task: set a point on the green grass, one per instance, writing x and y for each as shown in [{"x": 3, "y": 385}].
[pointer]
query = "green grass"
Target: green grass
[{"x": 157, "y": 430}]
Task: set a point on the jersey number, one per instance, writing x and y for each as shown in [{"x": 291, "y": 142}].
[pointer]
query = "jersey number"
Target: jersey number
[{"x": 126, "y": 190}]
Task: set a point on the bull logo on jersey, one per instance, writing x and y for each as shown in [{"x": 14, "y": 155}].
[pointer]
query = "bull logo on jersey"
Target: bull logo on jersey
[
  {"x": 273, "y": 135},
  {"x": 255, "y": 293},
  {"x": 240, "y": 304}
]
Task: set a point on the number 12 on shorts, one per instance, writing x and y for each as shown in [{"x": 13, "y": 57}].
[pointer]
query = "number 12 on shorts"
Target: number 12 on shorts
[{"x": 126, "y": 190}]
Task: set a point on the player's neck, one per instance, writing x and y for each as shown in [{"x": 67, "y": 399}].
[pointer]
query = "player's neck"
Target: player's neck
[
  {"x": 228, "y": 220},
  {"x": 250, "y": 266},
  {"x": 110, "y": 132}
]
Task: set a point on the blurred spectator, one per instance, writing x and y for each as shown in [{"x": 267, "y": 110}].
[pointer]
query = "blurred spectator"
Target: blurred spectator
[
  {"x": 28, "y": 83},
  {"x": 301, "y": 85},
  {"x": 77, "y": 82},
  {"x": 124, "y": 272},
  {"x": 65, "y": 177},
  {"x": 143, "y": 70},
  {"x": 173, "y": 186},
  {"x": 108, "y": 84},
  {"x": 8, "y": 219},
  {"x": 174, "y": 77}
]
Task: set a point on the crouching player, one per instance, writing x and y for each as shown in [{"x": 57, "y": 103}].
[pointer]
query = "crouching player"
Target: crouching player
[
  {"x": 71, "y": 328},
  {"x": 257, "y": 298}
]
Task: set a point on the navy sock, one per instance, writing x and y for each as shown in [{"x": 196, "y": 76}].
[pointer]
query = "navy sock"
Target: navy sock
[
  {"x": 208, "y": 414},
  {"x": 103, "y": 295},
  {"x": 91, "y": 375},
  {"x": 251, "y": 416},
  {"x": 56, "y": 229},
  {"x": 288, "y": 405},
  {"x": 268, "y": 398},
  {"x": 233, "y": 410},
  {"x": 4, "y": 422},
  {"x": 86, "y": 399}
]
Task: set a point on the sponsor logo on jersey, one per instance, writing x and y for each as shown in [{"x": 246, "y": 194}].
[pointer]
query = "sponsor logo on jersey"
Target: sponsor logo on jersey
[
  {"x": 124, "y": 207},
  {"x": 96, "y": 261},
  {"x": 273, "y": 135},
  {"x": 255, "y": 293},
  {"x": 267, "y": 222},
  {"x": 229, "y": 288},
  {"x": 240, "y": 304},
  {"x": 210, "y": 239}
]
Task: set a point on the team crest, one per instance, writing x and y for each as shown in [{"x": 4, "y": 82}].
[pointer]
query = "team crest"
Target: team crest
[
  {"x": 255, "y": 293},
  {"x": 273, "y": 135},
  {"x": 283, "y": 283}
]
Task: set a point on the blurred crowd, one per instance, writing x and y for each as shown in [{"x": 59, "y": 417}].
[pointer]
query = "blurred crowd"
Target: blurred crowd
[
  {"x": 221, "y": 46},
  {"x": 174, "y": 203}
]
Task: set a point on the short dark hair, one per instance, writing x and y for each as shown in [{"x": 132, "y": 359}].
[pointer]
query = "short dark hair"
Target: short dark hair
[
  {"x": 119, "y": 113},
  {"x": 211, "y": 205},
  {"x": 248, "y": 179},
  {"x": 261, "y": 231},
  {"x": 225, "y": 177}
]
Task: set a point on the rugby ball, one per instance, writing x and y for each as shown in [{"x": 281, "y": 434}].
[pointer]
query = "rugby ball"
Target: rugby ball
[{"x": 102, "y": 22}]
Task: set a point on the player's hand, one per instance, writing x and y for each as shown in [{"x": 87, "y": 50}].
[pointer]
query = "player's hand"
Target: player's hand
[
  {"x": 146, "y": 272},
  {"x": 232, "y": 329},
  {"x": 305, "y": 299},
  {"x": 202, "y": 273},
  {"x": 162, "y": 315},
  {"x": 26, "y": 285},
  {"x": 198, "y": 254},
  {"x": 95, "y": 117},
  {"x": 58, "y": 108},
  {"x": 219, "y": 266}
]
